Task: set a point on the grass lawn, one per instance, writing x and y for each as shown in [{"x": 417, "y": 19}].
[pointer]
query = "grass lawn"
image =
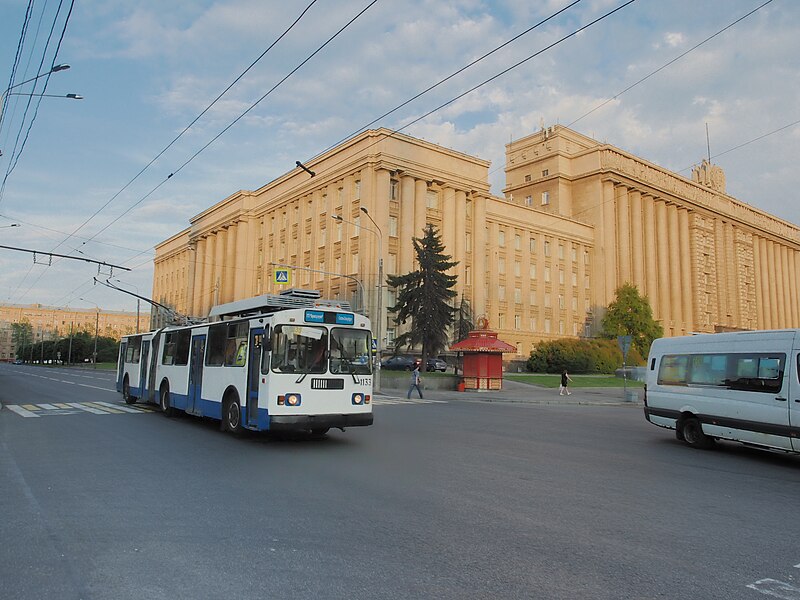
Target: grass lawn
[{"x": 578, "y": 381}]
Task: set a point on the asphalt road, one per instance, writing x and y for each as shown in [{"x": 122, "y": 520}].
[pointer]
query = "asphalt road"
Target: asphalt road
[{"x": 449, "y": 499}]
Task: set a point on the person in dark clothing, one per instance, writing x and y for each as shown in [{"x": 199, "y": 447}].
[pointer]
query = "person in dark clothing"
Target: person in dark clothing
[{"x": 565, "y": 379}]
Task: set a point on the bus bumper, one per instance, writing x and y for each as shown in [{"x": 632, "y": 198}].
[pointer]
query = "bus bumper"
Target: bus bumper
[{"x": 311, "y": 422}]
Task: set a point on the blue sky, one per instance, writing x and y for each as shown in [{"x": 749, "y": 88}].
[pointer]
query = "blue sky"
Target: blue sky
[{"x": 146, "y": 69}]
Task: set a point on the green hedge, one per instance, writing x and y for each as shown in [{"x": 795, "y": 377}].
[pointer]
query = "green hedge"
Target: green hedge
[{"x": 580, "y": 356}]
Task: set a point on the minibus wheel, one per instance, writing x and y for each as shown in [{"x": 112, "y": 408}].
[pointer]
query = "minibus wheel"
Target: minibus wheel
[{"x": 693, "y": 434}]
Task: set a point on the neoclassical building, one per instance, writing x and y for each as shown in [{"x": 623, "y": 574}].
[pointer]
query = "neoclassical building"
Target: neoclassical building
[{"x": 578, "y": 218}]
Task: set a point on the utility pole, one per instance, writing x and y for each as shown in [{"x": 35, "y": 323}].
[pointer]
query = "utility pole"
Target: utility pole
[
  {"x": 96, "y": 330},
  {"x": 69, "y": 355}
]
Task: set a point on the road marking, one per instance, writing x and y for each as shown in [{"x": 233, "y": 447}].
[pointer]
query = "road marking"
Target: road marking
[
  {"x": 21, "y": 411},
  {"x": 119, "y": 407},
  {"x": 112, "y": 410},
  {"x": 94, "y": 387},
  {"x": 90, "y": 409},
  {"x": 393, "y": 400},
  {"x": 30, "y": 406},
  {"x": 47, "y": 406},
  {"x": 776, "y": 589}
]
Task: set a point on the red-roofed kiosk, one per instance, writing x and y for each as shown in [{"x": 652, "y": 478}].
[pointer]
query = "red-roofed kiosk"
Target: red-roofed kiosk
[{"x": 483, "y": 358}]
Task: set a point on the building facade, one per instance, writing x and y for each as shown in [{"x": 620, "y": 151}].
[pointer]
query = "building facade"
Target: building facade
[
  {"x": 51, "y": 323},
  {"x": 577, "y": 219}
]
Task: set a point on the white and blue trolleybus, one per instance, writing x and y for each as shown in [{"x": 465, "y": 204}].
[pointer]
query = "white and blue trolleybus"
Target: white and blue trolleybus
[{"x": 288, "y": 362}]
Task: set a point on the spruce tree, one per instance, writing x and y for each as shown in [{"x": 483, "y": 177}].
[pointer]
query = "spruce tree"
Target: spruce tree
[{"x": 424, "y": 296}]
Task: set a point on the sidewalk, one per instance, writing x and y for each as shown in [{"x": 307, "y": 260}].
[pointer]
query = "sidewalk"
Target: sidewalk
[{"x": 514, "y": 391}]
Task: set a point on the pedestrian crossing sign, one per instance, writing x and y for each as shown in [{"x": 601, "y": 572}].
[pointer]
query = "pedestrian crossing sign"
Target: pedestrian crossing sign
[{"x": 282, "y": 276}]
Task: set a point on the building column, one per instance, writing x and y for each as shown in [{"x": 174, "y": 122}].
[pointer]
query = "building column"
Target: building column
[
  {"x": 493, "y": 275},
  {"x": 460, "y": 234},
  {"x": 757, "y": 275},
  {"x": 449, "y": 223},
  {"x": 773, "y": 292},
  {"x": 195, "y": 277},
  {"x": 609, "y": 244},
  {"x": 764, "y": 275},
  {"x": 246, "y": 253},
  {"x": 793, "y": 281},
  {"x": 219, "y": 266},
  {"x": 676, "y": 296},
  {"x": 662, "y": 252},
  {"x": 420, "y": 207},
  {"x": 687, "y": 289},
  {"x": 405, "y": 263},
  {"x": 231, "y": 265},
  {"x": 206, "y": 292},
  {"x": 651, "y": 263},
  {"x": 478, "y": 255},
  {"x": 637, "y": 243},
  {"x": 721, "y": 272},
  {"x": 623, "y": 236}
]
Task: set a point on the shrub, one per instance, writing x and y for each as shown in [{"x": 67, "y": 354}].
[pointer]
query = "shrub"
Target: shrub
[{"x": 580, "y": 356}]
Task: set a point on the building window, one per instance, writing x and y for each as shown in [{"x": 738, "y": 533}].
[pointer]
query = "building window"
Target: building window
[
  {"x": 501, "y": 293},
  {"x": 560, "y": 301},
  {"x": 517, "y": 268},
  {"x": 545, "y": 198},
  {"x": 561, "y": 327},
  {"x": 561, "y": 251},
  {"x": 390, "y": 337},
  {"x": 528, "y": 200},
  {"x": 547, "y": 274},
  {"x": 501, "y": 321},
  {"x": 393, "y": 226},
  {"x": 358, "y": 189},
  {"x": 501, "y": 238},
  {"x": 586, "y": 282},
  {"x": 545, "y": 172},
  {"x": 547, "y": 300},
  {"x": 574, "y": 304},
  {"x": 561, "y": 276},
  {"x": 432, "y": 199},
  {"x": 533, "y": 271},
  {"x": 574, "y": 280},
  {"x": 391, "y": 264},
  {"x": 586, "y": 257},
  {"x": 468, "y": 275},
  {"x": 547, "y": 325},
  {"x": 517, "y": 296},
  {"x": 501, "y": 267},
  {"x": 340, "y": 194},
  {"x": 574, "y": 254},
  {"x": 393, "y": 190},
  {"x": 532, "y": 245},
  {"x": 517, "y": 322},
  {"x": 517, "y": 242},
  {"x": 355, "y": 264},
  {"x": 533, "y": 323},
  {"x": 533, "y": 298},
  {"x": 527, "y": 178}
]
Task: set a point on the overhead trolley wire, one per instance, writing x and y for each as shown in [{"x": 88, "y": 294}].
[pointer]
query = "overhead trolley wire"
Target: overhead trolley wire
[{"x": 197, "y": 118}]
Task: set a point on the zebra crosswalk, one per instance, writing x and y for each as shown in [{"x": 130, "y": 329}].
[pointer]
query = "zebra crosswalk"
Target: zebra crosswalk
[
  {"x": 70, "y": 408},
  {"x": 386, "y": 400}
]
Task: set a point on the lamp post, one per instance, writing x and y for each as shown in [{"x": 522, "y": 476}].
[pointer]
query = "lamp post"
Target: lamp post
[
  {"x": 7, "y": 91},
  {"x": 379, "y": 302},
  {"x": 96, "y": 331}
]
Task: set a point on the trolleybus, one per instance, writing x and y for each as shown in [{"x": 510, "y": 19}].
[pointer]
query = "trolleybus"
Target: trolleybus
[{"x": 271, "y": 363}]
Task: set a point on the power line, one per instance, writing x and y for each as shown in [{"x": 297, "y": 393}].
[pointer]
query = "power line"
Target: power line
[
  {"x": 664, "y": 66},
  {"x": 197, "y": 118}
]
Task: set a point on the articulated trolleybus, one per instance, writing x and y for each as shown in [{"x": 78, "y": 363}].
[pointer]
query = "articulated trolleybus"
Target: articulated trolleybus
[
  {"x": 742, "y": 386},
  {"x": 290, "y": 362}
]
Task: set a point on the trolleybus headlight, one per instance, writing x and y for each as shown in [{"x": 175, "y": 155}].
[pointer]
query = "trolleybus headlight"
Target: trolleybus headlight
[
  {"x": 358, "y": 398},
  {"x": 289, "y": 400}
]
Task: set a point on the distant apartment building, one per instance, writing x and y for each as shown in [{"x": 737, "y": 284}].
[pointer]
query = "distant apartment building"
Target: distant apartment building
[
  {"x": 578, "y": 218},
  {"x": 50, "y": 323}
]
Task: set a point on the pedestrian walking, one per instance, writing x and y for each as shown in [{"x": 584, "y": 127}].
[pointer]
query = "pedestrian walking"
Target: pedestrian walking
[
  {"x": 565, "y": 379},
  {"x": 415, "y": 381}
]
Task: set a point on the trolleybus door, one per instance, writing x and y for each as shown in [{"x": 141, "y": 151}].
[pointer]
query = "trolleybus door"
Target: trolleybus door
[
  {"x": 196, "y": 373},
  {"x": 123, "y": 351},
  {"x": 253, "y": 374},
  {"x": 143, "y": 367}
]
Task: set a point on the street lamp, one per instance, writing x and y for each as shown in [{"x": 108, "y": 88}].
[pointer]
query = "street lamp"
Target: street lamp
[
  {"x": 96, "y": 330},
  {"x": 379, "y": 303},
  {"x": 7, "y": 91}
]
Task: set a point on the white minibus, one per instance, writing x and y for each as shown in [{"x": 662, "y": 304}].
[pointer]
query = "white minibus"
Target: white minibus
[{"x": 742, "y": 386}]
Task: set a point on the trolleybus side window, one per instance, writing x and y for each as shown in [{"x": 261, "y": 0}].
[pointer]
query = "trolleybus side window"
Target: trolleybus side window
[
  {"x": 176, "y": 347},
  {"x": 227, "y": 344},
  {"x": 299, "y": 349},
  {"x": 350, "y": 351},
  {"x": 134, "y": 349},
  {"x": 265, "y": 349}
]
